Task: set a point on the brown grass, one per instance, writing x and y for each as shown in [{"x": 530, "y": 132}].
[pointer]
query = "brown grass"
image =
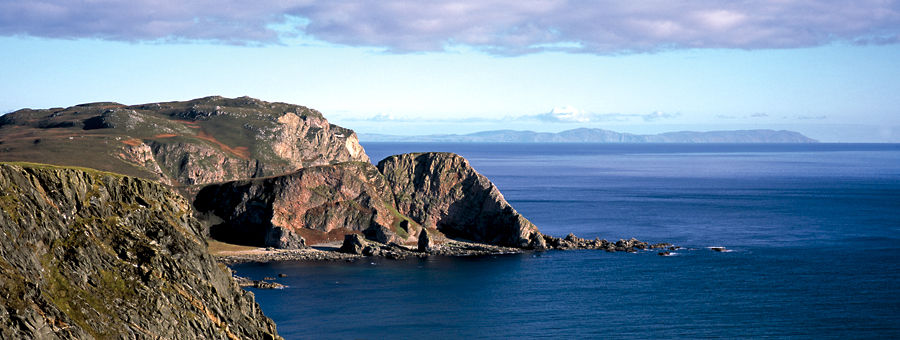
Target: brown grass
[
  {"x": 314, "y": 237},
  {"x": 165, "y": 135},
  {"x": 216, "y": 247},
  {"x": 132, "y": 142},
  {"x": 241, "y": 152}
]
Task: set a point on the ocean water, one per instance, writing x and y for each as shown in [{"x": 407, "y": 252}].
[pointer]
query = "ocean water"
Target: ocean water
[{"x": 814, "y": 234}]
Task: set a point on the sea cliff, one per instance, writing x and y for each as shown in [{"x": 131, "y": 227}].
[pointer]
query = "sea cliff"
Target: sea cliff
[
  {"x": 88, "y": 254},
  {"x": 111, "y": 240}
]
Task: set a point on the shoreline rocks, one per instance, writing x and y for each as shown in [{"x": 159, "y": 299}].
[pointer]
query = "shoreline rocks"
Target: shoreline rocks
[
  {"x": 356, "y": 247},
  {"x": 259, "y": 284}
]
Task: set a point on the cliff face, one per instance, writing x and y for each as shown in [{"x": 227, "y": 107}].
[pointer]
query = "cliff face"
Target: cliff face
[
  {"x": 441, "y": 190},
  {"x": 196, "y": 142},
  {"x": 313, "y": 179},
  {"x": 88, "y": 254},
  {"x": 391, "y": 203},
  {"x": 318, "y": 203}
]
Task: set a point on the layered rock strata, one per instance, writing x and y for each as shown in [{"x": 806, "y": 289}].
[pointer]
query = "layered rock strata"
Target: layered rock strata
[
  {"x": 441, "y": 190},
  {"x": 321, "y": 203},
  {"x": 185, "y": 144},
  {"x": 88, "y": 254}
]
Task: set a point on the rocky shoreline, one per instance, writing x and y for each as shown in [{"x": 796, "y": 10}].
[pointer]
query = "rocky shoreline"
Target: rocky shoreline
[{"x": 356, "y": 247}]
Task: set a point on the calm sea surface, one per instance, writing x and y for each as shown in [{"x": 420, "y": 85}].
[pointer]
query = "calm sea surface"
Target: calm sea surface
[{"x": 814, "y": 229}]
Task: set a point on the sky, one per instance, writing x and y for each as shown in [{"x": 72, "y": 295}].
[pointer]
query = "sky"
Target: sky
[{"x": 828, "y": 69}]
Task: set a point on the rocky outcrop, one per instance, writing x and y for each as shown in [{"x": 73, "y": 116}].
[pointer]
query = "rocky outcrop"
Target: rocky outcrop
[
  {"x": 353, "y": 244},
  {"x": 319, "y": 203},
  {"x": 426, "y": 243},
  {"x": 202, "y": 141},
  {"x": 88, "y": 254},
  {"x": 574, "y": 242},
  {"x": 441, "y": 190}
]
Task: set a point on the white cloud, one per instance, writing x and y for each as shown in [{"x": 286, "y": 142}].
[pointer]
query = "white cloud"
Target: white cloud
[
  {"x": 494, "y": 26},
  {"x": 568, "y": 114}
]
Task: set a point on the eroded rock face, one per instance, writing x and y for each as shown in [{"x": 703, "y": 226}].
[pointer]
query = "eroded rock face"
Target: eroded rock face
[
  {"x": 441, "y": 190},
  {"x": 190, "y": 143},
  {"x": 88, "y": 254},
  {"x": 318, "y": 203}
]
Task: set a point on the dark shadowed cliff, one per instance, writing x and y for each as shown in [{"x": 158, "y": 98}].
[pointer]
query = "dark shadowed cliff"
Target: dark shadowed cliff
[{"x": 88, "y": 254}]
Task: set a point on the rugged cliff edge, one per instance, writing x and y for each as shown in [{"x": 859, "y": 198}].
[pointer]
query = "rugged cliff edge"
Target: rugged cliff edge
[
  {"x": 318, "y": 204},
  {"x": 390, "y": 204},
  {"x": 276, "y": 174},
  {"x": 441, "y": 190},
  {"x": 188, "y": 143},
  {"x": 88, "y": 254}
]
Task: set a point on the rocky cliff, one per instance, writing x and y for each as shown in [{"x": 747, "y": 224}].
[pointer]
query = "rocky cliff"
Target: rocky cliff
[
  {"x": 390, "y": 203},
  {"x": 190, "y": 143},
  {"x": 441, "y": 190},
  {"x": 88, "y": 254},
  {"x": 316, "y": 203}
]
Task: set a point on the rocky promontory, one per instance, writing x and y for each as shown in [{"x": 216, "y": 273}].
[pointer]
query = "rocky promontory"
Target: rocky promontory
[
  {"x": 393, "y": 203},
  {"x": 93, "y": 254},
  {"x": 185, "y": 144},
  {"x": 441, "y": 190},
  {"x": 89, "y": 254}
]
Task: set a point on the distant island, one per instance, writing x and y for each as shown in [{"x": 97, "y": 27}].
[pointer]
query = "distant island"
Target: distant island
[{"x": 591, "y": 135}]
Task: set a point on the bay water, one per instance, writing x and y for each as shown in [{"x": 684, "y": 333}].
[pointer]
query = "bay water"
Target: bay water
[{"x": 813, "y": 232}]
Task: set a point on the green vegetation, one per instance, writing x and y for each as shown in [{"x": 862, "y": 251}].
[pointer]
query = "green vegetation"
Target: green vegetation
[
  {"x": 62, "y": 167},
  {"x": 398, "y": 221}
]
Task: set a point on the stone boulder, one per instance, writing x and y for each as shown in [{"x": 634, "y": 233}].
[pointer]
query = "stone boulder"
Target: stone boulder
[
  {"x": 426, "y": 244},
  {"x": 353, "y": 244}
]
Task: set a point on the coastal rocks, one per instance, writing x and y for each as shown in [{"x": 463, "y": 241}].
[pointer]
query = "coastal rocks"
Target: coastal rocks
[
  {"x": 283, "y": 238},
  {"x": 263, "y": 255},
  {"x": 426, "y": 244},
  {"x": 574, "y": 242},
  {"x": 442, "y": 191},
  {"x": 353, "y": 244},
  {"x": 184, "y": 144},
  {"x": 313, "y": 203},
  {"x": 259, "y": 284},
  {"x": 88, "y": 254},
  {"x": 371, "y": 249}
]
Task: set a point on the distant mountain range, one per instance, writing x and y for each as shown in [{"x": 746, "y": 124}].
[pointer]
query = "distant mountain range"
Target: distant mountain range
[{"x": 589, "y": 135}]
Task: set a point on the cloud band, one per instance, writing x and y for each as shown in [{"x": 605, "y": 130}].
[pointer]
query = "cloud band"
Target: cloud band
[{"x": 494, "y": 26}]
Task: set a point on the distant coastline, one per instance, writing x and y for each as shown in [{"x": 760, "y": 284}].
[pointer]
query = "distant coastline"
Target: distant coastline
[{"x": 593, "y": 135}]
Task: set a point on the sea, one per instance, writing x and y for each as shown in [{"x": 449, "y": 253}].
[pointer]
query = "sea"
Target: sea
[{"x": 811, "y": 232}]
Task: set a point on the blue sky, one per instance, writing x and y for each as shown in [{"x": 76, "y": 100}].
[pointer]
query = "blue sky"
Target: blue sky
[{"x": 829, "y": 69}]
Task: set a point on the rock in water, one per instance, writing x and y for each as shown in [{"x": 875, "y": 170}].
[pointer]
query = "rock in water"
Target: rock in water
[
  {"x": 441, "y": 190},
  {"x": 425, "y": 242},
  {"x": 89, "y": 254},
  {"x": 353, "y": 244}
]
